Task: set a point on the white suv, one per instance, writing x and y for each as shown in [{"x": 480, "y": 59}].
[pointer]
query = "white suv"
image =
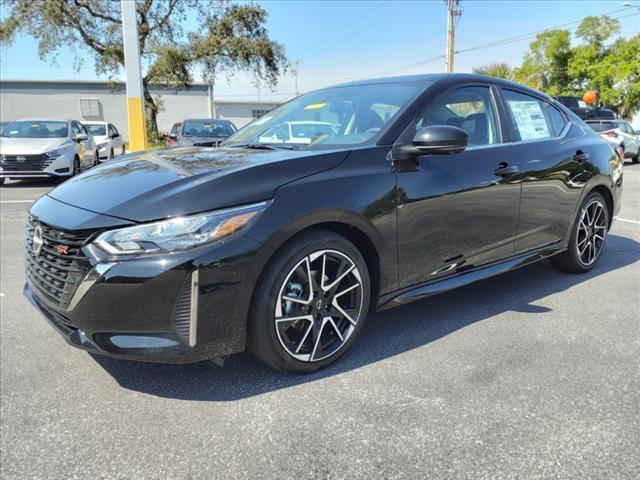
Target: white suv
[
  {"x": 45, "y": 148},
  {"x": 621, "y": 134}
]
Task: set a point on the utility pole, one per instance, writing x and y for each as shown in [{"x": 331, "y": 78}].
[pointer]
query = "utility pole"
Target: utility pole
[
  {"x": 135, "y": 105},
  {"x": 295, "y": 66},
  {"x": 453, "y": 11}
]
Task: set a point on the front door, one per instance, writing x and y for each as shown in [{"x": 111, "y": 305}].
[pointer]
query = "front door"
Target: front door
[{"x": 458, "y": 211}]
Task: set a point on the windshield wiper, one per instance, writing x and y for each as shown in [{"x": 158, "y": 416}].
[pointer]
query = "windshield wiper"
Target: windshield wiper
[{"x": 263, "y": 146}]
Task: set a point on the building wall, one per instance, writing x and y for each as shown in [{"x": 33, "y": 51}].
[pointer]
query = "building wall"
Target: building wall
[{"x": 24, "y": 99}]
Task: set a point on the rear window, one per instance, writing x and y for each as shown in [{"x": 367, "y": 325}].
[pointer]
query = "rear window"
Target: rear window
[
  {"x": 206, "y": 128},
  {"x": 602, "y": 126},
  {"x": 96, "y": 129}
]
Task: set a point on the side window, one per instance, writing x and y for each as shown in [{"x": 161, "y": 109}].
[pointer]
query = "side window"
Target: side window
[
  {"x": 468, "y": 108},
  {"x": 174, "y": 129},
  {"x": 557, "y": 119},
  {"x": 75, "y": 130},
  {"x": 532, "y": 119}
]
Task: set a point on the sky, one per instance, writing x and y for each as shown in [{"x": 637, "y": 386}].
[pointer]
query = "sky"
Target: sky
[{"x": 337, "y": 41}]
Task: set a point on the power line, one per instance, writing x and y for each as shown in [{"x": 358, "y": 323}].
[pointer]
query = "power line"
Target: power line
[
  {"x": 340, "y": 33},
  {"x": 495, "y": 43}
]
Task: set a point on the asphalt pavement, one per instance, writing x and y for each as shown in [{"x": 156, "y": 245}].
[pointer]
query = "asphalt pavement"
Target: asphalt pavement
[{"x": 534, "y": 374}]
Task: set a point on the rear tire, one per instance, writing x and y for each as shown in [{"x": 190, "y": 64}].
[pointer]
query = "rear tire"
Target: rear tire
[
  {"x": 317, "y": 270},
  {"x": 110, "y": 154},
  {"x": 588, "y": 237}
]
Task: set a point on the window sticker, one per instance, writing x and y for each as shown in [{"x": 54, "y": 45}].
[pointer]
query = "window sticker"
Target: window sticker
[
  {"x": 315, "y": 106},
  {"x": 530, "y": 120}
]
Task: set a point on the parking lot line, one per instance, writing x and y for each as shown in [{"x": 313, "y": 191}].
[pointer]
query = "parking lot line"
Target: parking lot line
[{"x": 627, "y": 220}]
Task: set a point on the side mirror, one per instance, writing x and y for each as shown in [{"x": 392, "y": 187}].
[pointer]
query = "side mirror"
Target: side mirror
[
  {"x": 172, "y": 136},
  {"x": 115, "y": 135},
  {"x": 81, "y": 137},
  {"x": 440, "y": 139}
]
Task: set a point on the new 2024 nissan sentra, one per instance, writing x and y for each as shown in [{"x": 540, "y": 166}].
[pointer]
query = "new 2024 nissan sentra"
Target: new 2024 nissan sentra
[{"x": 424, "y": 184}]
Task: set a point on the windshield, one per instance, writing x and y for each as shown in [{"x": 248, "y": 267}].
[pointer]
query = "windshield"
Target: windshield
[
  {"x": 602, "y": 126},
  {"x": 96, "y": 129},
  {"x": 350, "y": 115},
  {"x": 206, "y": 128},
  {"x": 35, "y": 129}
]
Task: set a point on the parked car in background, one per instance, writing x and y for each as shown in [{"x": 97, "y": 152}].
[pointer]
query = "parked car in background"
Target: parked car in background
[
  {"x": 298, "y": 132},
  {"x": 284, "y": 248},
  {"x": 201, "y": 132},
  {"x": 36, "y": 148},
  {"x": 107, "y": 138},
  {"x": 583, "y": 110},
  {"x": 621, "y": 134},
  {"x": 172, "y": 136}
]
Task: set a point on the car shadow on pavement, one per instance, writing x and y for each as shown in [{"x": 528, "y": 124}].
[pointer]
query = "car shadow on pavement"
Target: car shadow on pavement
[{"x": 386, "y": 334}]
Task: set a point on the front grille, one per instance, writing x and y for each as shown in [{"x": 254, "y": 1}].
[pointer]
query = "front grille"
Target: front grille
[
  {"x": 57, "y": 270},
  {"x": 24, "y": 163}
]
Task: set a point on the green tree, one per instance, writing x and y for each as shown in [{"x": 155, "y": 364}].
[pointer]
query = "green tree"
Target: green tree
[
  {"x": 233, "y": 38},
  {"x": 496, "y": 69},
  {"x": 546, "y": 65}
]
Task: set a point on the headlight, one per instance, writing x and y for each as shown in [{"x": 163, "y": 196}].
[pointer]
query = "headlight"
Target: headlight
[
  {"x": 178, "y": 233},
  {"x": 101, "y": 145},
  {"x": 57, "y": 152}
]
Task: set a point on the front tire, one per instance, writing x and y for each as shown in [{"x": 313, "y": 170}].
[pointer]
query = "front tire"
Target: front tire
[
  {"x": 310, "y": 303},
  {"x": 588, "y": 237},
  {"x": 76, "y": 166}
]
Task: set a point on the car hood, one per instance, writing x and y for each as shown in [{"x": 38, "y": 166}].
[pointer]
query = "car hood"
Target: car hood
[
  {"x": 100, "y": 138},
  {"x": 182, "y": 180},
  {"x": 15, "y": 146}
]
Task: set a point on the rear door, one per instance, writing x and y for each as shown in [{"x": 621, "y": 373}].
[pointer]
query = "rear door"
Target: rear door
[
  {"x": 552, "y": 156},
  {"x": 457, "y": 211}
]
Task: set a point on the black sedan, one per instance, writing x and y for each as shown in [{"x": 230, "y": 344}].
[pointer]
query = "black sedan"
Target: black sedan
[{"x": 420, "y": 185}]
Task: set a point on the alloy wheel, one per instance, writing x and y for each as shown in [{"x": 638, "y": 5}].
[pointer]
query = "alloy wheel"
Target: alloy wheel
[
  {"x": 592, "y": 231},
  {"x": 318, "y": 305}
]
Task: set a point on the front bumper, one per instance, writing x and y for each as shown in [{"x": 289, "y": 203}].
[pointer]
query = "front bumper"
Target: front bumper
[
  {"x": 151, "y": 309},
  {"x": 61, "y": 166}
]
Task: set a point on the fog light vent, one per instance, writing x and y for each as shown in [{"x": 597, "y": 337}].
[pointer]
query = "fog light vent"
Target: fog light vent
[{"x": 185, "y": 311}]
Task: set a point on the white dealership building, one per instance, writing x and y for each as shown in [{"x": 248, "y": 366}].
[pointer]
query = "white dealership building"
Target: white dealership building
[{"x": 106, "y": 101}]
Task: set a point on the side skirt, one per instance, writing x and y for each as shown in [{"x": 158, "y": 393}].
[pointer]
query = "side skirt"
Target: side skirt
[{"x": 465, "y": 278}]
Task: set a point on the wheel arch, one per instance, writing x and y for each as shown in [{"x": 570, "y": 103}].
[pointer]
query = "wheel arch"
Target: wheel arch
[
  {"x": 355, "y": 228},
  {"x": 608, "y": 197}
]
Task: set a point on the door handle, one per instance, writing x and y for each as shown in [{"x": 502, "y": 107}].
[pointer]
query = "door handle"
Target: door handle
[
  {"x": 505, "y": 169},
  {"x": 580, "y": 156}
]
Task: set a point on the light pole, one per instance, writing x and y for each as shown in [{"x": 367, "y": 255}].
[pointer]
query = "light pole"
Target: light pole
[{"x": 135, "y": 104}]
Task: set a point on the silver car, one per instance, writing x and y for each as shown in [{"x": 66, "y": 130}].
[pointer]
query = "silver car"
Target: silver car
[
  {"x": 35, "y": 148},
  {"x": 619, "y": 133}
]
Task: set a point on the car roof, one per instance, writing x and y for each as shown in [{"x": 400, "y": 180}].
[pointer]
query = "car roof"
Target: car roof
[
  {"x": 204, "y": 120},
  {"x": 44, "y": 120},
  {"x": 446, "y": 79}
]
